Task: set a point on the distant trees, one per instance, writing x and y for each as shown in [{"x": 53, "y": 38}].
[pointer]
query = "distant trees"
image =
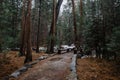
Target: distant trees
[
  {"x": 65, "y": 29},
  {"x": 110, "y": 23},
  {"x": 97, "y": 26},
  {"x": 43, "y": 23},
  {"x": 91, "y": 24},
  {"x": 100, "y": 23},
  {"x": 9, "y": 16}
]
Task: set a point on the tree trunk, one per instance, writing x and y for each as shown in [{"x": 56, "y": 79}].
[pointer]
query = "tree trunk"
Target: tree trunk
[
  {"x": 104, "y": 50},
  {"x": 74, "y": 23},
  {"x": 38, "y": 32},
  {"x": 1, "y": 9},
  {"x": 58, "y": 8},
  {"x": 52, "y": 33},
  {"x": 81, "y": 23},
  {"x": 28, "y": 34},
  {"x": 52, "y": 30},
  {"x": 81, "y": 8},
  {"x": 23, "y": 32}
]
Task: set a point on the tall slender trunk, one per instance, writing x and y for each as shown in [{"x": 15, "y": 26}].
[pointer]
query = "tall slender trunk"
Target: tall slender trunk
[
  {"x": 51, "y": 42},
  {"x": 23, "y": 32},
  {"x": 1, "y": 9},
  {"x": 38, "y": 32},
  {"x": 74, "y": 23},
  {"x": 13, "y": 20},
  {"x": 81, "y": 22},
  {"x": 52, "y": 32},
  {"x": 58, "y": 8},
  {"x": 81, "y": 8},
  {"x": 104, "y": 55},
  {"x": 28, "y": 34}
]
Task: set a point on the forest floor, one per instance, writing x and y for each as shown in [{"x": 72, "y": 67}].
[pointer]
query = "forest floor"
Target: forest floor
[
  {"x": 53, "y": 68},
  {"x": 58, "y": 67},
  {"x": 11, "y": 62},
  {"x": 97, "y": 69}
]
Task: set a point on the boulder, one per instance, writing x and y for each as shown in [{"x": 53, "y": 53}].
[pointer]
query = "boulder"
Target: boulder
[
  {"x": 15, "y": 74},
  {"x": 34, "y": 62},
  {"x": 28, "y": 65},
  {"x": 23, "y": 69}
]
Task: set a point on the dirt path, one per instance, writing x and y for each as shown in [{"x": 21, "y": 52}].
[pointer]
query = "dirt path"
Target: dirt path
[{"x": 53, "y": 68}]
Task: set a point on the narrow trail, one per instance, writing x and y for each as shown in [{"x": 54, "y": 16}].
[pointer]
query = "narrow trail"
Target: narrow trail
[{"x": 53, "y": 68}]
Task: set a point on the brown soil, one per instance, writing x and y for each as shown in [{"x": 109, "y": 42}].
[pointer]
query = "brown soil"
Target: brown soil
[
  {"x": 96, "y": 69},
  {"x": 11, "y": 62}
]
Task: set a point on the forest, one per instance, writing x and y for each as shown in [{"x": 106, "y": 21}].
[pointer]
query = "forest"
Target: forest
[{"x": 56, "y": 30}]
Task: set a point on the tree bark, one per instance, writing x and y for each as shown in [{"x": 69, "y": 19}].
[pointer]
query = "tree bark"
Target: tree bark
[
  {"x": 104, "y": 55},
  {"x": 81, "y": 8},
  {"x": 28, "y": 34},
  {"x": 58, "y": 8},
  {"x": 51, "y": 42},
  {"x": 38, "y": 32},
  {"x": 23, "y": 32},
  {"x": 1, "y": 9},
  {"x": 81, "y": 23},
  {"x": 74, "y": 23},
  {"x": 52, "y": 30}
]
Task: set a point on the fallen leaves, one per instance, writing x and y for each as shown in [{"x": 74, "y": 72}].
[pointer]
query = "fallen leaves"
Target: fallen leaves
[{"x": 97, "y": 69}]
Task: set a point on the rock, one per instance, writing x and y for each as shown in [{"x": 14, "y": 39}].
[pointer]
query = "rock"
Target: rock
[
  {"x": 45, "y": 57},
  {"x": 79, "y": 55},
  {"x": 15, "y": 49},
  {"x": 34, "y": 62},
  {"x": 42, "y": 57},
  {"x": 50, "y": 55},
  {"x": 23, "y": 69},
  {"x": 34, "y": 49},
  {"x": 15, "y": 74},
  {"x": 84, "y": 57},
  {"x": 28, "y": 65}
]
